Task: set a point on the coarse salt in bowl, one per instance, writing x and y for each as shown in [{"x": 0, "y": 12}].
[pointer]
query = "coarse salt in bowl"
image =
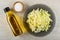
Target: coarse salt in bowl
[{"x": 18, "y": 6}]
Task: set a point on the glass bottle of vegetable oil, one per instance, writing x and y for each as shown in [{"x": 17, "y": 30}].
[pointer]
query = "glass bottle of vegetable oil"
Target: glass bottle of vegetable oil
[{"x": 15, "y": 22}]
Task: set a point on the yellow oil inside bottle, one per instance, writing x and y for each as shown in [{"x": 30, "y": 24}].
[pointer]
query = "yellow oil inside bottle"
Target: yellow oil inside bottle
[{"x": 15, "y": 22}]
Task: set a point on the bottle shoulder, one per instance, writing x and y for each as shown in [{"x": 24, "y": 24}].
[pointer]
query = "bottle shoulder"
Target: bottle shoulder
[{"x": 9, "y": 13}]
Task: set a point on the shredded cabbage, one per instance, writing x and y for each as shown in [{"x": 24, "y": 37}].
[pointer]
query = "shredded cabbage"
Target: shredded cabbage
[{"x": 39, "y": 20}]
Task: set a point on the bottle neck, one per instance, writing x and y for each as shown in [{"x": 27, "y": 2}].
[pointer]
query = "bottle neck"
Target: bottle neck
[{"x": 9, "y": 13}]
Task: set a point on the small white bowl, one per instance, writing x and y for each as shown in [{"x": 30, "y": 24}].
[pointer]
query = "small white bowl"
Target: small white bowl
[{"x": 18, "y": 7}]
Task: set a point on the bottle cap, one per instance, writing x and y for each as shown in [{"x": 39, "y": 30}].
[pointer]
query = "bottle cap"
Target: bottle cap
[{"x": 6, "y": 9}]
